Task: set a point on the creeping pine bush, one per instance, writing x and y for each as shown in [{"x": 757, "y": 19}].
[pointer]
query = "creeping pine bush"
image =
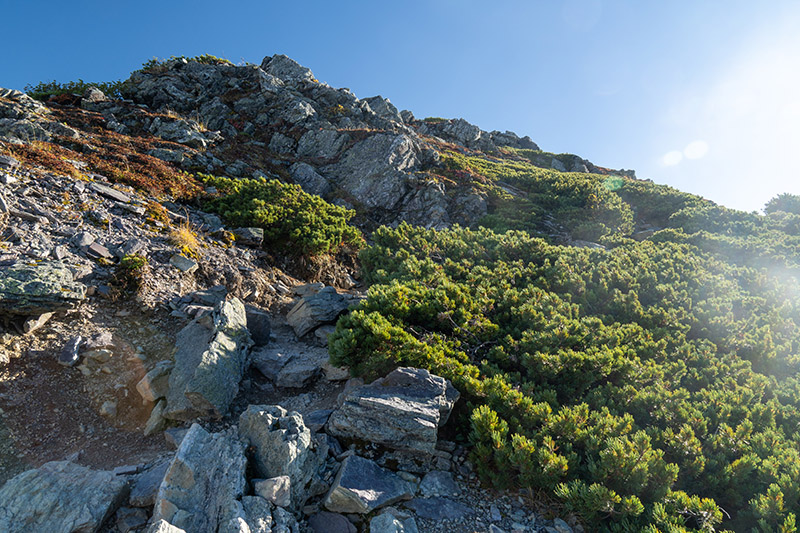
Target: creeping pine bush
[
  {"x": 288, "y": 215},
  {"x": 44, "y": 90}
]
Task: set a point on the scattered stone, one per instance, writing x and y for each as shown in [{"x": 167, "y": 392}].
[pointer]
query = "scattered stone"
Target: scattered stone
[
  {"x": 361, "y": 486},
  {"x": 183, "y": 263},
  {"x": 98, "y": 251},
  {"x": 316, "y": 420},
  {"x": 102, "y": 340},
  {"x": 8, "y": 162},
  {"x": 109, "y": 408},
  {"x": 99, "y": 356},
  {"x": 209, "y": 364},
  {"x": 438, "y": 508},
  {"x": 314, "y": 310},
  {"x": 110, "y": 192},
  {"x": 32, "y": 324},
  {"x": 276, "y": 490},
  {"x": 162, "y": 526},
  {"x": 325, "y": 522},
  {"x": 283, "y": 447},
  {"x": 60, "y": 497},
  {"x": 68, "y": 356},
  {"x": 35, "y": 289},
  {"x": 203, "y": 483},
  {"x": 404, "y": 410}
]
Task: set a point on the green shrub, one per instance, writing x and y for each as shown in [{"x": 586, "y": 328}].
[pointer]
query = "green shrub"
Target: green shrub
[
  {"x": 291, "y": 218},
  {"x": 44, "y": 90}
]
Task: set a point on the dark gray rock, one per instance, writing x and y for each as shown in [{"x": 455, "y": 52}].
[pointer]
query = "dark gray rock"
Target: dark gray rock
[
  {"x": 69, "y": 354},
  {"x": 291, "y": 364},
  {"x": 389, "y": 523},
  {"x": 259, "y": 325},
  {"x": 35, "y": 289},
  {"x": 311, "y": 311},
  {"x": 209, "y": 363},
  {"x": 60, "y": 497},
  {"x": 130, "y": 519},
  {"x": 203, "y": 483},
  {"x": 322, "y": 144},
  {"x": 404, "y": 410},
  {"x": 249, "y": 236},
  {"x": 8, "y": 162},
  {"x": 286, "y": 69},
  {"x": 110, "y": 192},
  {"x": 361, "y": 486},
  {"x": 438, "y": 508},
  {"x": 145, "y": 487},
  {"x": 325, "y": 522},
  {"x": 439, "y": 483}
]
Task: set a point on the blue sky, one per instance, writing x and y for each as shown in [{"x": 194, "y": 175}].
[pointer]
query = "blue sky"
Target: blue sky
[{"x": 701, "y": 95}]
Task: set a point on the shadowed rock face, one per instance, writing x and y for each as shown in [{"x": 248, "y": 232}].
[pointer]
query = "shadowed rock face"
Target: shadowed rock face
[{"x": 34, "y": 289}]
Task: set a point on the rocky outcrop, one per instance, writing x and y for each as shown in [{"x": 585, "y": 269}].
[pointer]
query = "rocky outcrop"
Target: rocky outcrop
[
  {"x": 60, "y": 497},
  {"x": 35, "y": 289},
  {"x": 211, "y": 356},
  {"x": 404, "y": 410},
  {"x": 283, "y": 446}
]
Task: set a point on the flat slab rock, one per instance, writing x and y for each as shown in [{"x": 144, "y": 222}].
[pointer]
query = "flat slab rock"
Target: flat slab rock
[
  {"x": 314, "y": 310},
  {"x": 404, "y": 410},
  {"x": 35, "y": 289},
  {"x": 60, "y": 497},
  {"x": 361, "y": 486}
]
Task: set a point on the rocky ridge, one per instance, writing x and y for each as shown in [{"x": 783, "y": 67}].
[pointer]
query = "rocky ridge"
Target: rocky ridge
[{"x": 204, "y": 401}]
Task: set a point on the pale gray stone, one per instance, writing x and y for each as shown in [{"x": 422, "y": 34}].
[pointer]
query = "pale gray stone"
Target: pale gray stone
[
  {"x": 35, "y": 289},
  {"x": 276, "y": 490},
  {"x": 183, "y": 263},
  {"x": 312, "y": 182},
  {"x": 155, "y": 384},
  {"x": 209, "y": 363},
  {"x": 388, "y": 523},
  {"x": 284, "y": 446},
  {"x": 204, "y": 483},
  {"x": 60, "y": 497}
]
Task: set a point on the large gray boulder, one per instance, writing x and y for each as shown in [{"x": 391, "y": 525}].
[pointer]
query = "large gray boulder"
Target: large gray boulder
[
  {"x": 322, "y": 144},
  {"x": 404, "y": 410},
  {"x": 35, "y": 289},
  {"x": 60, "y": 497},
  {"x": 204, "y": 484},
  {"x": 361, "y": 486},
  {"x": 314, "y": 310},
  {"x": 286, "y": 68},
  {"x": 309, "y": 179},
  {"x": 376, "y": 170},
  {"x": 284, "y": 446},
  {"x": 212, "y": 354}
]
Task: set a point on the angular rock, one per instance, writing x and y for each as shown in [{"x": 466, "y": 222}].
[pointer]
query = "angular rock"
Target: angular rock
[
  {"x": 35, "y": 289},
  {"x": 110, "y": 192},
  {"x": 129, "y": 519},
  {"x": 321, "y": 144},
  {"x": 283, "y": 447},
  {"x": 404, "y": 410},
  {"x": 290, "y": 364},
  {"x": 34, "y": 323},
  {"x": 8, "y": 162},
  {"x": 98, "y": 251},
  {"x": 156, "y": 421},
  {"x": 388, "y": 523},
  {"x": 249, "y": 236},
  {"x": 276, "y": 490},
  {"x": 209, "y": 363},
  {"x": 286, "y": 69},
  {"x": 68, "y": 356},
  {"x": 155, "y": 384},
  {"x": 259, "y": 325},
  {"x": 325, "y": 522},
  {"x": 323, "y": 307},
  {"x": 204, "y": 483},
  {"x": 183, "y": 263},
  {"x": 60, "y": 497},
  {"x": 144, "y": 489},
  {"x": 361, "y": 486}
]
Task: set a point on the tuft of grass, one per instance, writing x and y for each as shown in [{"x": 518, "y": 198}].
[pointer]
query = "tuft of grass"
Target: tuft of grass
[
  {"x": 184, "y": 237},
  {"x": 129, "y": 274}
]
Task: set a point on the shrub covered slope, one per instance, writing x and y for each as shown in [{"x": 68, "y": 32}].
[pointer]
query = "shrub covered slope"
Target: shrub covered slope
[{"x": 651, "y": 385}]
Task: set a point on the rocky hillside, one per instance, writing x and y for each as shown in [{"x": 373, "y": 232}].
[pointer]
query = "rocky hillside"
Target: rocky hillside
[{"x": 174, "y": 257}]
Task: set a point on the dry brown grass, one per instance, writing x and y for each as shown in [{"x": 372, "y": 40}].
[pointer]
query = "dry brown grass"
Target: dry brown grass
[{"x": 184, "y": 237}]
